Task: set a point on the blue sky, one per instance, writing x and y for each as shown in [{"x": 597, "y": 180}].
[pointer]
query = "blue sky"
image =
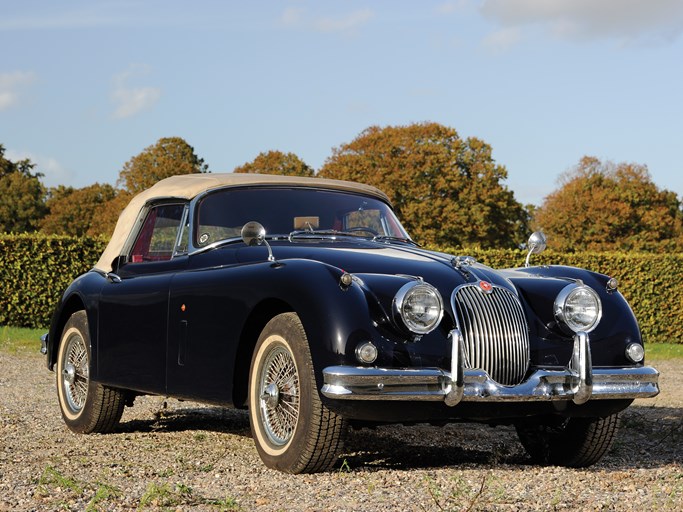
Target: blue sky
[{"x": 86, "y": 85}]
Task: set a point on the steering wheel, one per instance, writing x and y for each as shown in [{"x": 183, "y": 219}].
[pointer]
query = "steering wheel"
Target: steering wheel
[{"x": 362, "y": 228}]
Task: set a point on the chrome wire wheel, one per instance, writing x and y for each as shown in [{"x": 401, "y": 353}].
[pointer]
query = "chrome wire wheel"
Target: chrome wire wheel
[
  {"x": 279, "y": 397},
  {"x": 75, "y": 373},
  {"x": 293, "y": 431},
  {"x": 86, "y": 406}
]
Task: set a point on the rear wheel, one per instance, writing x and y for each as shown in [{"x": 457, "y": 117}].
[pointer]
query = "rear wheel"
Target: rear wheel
[
  {"x": 86, "y": 406},
  {"x": 293, "y": 431},
  {"x": 572, "y": 442}
]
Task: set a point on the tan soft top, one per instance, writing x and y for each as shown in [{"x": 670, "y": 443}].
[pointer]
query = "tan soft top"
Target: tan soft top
[{"x": 188, "y": 186}]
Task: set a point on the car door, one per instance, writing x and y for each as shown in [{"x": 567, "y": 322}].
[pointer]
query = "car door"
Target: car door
[{"x": 133, "y": 309}]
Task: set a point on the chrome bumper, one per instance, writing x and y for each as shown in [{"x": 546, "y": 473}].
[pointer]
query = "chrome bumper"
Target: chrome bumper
[{"x": 578, "y": 382}]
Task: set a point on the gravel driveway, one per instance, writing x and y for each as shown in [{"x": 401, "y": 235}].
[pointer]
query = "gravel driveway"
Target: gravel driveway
[{"x": 171, "y": 455}]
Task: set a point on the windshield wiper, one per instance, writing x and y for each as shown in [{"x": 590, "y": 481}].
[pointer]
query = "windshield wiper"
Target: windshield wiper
[
  {"x": 389, "y": 238},
  {"x": 321, "y": 233}
]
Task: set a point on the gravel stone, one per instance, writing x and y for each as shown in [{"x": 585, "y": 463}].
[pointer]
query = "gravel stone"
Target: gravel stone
[{"x": 173, "y": 455}]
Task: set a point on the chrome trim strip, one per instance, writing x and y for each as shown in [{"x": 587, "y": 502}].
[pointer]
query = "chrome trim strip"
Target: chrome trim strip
[{"x": 435, "y": 384}]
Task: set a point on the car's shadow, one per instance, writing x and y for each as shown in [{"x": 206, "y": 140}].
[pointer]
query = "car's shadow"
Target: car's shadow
[
  {"x": 648, "y": 437},
  {"x": 213, "y": 419}
]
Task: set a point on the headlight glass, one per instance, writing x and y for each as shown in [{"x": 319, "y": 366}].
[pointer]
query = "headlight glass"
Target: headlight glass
[
  {"x": 578, "y": 307},
  {"x": 419, "y": 306}
]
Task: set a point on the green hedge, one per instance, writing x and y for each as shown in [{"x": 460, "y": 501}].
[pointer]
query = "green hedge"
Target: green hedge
[
  {"x": 36, "y": 269},
  {"x": 34, "y": 272}
]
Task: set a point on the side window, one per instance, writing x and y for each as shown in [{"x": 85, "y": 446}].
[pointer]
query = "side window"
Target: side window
[{"x": 157, "y": 238}]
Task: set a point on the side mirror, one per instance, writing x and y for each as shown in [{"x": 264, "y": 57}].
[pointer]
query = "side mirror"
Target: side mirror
[
  {"x": 253, "y": 233},
  {"x": 536, "y": 245}
]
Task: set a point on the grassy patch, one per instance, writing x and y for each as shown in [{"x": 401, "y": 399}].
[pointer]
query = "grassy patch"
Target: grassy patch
[
  {"x": 104, "y": 494},
  {"x": 52, "y": 478},
  {"x": 664, "y": 351},
  {"x": 18, "y": 339},
  {"x": 167, "y": 497}
]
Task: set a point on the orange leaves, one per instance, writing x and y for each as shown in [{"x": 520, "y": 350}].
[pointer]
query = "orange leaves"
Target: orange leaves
[
  {"x": 445, "y": 189},
  {"x": 606, "y": 206}
]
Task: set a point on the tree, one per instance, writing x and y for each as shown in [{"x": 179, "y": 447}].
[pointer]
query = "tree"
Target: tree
[
  {"x": 107, "y": 214},
  {"x": 168, "y": 157},
  {"x": 277, "y": 162},
  {"x": 604, "y": 206},
  {"x": 71, "y": 211},
  {"x": 446, "y": 190},
  {"x": 22, "y": 196}
]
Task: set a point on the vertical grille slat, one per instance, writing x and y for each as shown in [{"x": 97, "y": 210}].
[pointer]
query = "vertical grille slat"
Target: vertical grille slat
[{"x": 495, "y": 332}]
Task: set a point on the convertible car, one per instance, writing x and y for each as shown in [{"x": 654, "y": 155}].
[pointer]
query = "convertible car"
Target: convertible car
[{"x": 305, "y": 301}]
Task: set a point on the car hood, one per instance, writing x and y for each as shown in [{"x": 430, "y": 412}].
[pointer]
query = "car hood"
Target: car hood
[{"x": 366, "y": 257}]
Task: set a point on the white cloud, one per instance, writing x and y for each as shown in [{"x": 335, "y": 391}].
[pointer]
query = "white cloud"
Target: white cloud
[
  {"x": 12, "y": 85},
  {"x": 501, "y": 40},
  {"x": 625, "y": 21},
  {"x": 451, "y": 6},
  {"x": 345, "y": 23},
  {"x": 132, "y": 100},
  {"x": 292, "y": 16},
  {"x": 55, "y": 173},
  {"x": 298, "y": 18}
]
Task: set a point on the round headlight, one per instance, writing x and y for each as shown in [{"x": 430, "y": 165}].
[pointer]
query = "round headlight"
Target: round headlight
[
  {"x": 419, "y": 306},
  {"x": 578, "y": 307}
]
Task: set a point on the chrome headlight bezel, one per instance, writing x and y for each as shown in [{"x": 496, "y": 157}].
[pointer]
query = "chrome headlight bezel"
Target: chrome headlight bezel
[
  {"x": 404, "y": 307},
  {"x": 578, "y": 299}
]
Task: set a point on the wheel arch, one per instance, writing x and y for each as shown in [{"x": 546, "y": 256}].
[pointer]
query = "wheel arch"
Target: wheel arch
[
  {"x": 70, "y": 306},
  {"x": 262, "y": 313},
  {"x": 331, "y": 315}
]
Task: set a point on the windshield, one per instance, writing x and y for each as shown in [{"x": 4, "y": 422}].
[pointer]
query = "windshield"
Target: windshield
[{"x": 281, "y": 211}]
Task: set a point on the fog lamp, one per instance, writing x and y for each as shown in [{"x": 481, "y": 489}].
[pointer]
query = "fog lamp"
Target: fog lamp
[
  {"x": 366, "y": 353},
  {"x": 635, "y": 352}
]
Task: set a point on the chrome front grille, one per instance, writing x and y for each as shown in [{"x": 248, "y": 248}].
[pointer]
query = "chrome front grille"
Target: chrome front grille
[{"x": 495, "y": 332}]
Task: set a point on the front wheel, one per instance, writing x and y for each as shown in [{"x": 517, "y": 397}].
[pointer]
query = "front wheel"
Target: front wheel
[
  {"x": 87, "y": 407},
  {"x": 293, "y": 431},
  {"x": 572, "y": 442}
]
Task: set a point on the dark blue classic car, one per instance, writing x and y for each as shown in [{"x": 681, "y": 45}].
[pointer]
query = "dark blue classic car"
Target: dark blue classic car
[{"x": 305, "y": 301}]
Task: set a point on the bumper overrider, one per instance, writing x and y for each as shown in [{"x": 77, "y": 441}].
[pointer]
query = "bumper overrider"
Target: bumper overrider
[{"x": 578, "y": 382}]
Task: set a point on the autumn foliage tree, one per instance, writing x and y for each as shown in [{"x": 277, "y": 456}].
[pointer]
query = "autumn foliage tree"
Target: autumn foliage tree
[
  {"x": 277, "y": 162},
  {"x": 22, "y": 196},
  {"x": 603, "y": 206},
  {"x": 168, "y": 157},
  {"x": 446, "y": 190},
  {"x": 71, "y": 211}
]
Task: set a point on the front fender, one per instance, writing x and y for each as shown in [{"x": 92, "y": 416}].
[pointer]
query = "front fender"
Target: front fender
[
  {"x": 226, "y": 308},
  {"x": 540, "y": 285},
  {"x": 81, "y": 294}
]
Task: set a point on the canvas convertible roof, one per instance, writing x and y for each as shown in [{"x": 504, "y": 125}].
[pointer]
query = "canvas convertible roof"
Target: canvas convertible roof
[{"x": 188, "y": 186}]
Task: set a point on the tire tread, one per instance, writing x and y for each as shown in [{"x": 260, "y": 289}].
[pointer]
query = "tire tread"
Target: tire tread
[
  {"x": 577, "y": 443},
  {"x": 104, "y": 405}
]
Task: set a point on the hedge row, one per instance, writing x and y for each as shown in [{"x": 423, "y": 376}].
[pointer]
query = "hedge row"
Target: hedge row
[
  {"x": 36, "y": 269},
  {"x": 34, "y": 272}
]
